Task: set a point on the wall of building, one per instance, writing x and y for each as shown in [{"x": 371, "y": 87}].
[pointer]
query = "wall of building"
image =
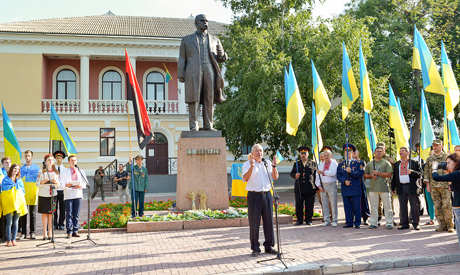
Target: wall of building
[{"x": 21, "y": 82}]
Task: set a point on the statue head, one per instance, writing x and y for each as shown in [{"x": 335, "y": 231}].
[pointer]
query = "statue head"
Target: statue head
[{"x": 201, "y": 23}]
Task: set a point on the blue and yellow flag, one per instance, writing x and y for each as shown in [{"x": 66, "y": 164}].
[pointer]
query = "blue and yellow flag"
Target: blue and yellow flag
[
  {"x": 371, "y": 137},
  {"x": 322, "y": 102},
  {"x": 451, "y": 137},
  {"x": 450, "y": 84},
  {"x": 316, "y": 139},
  {"x": 13, "y": 198},
  {"x": 279, "y": 157},
  {"x": 59, "y": 132},
  {"x": 10, "y": 142},
  {"x": 422, "y": 60},
  {"x": 397, "y": 121},
  {"x": 401, "y": 137},
  {"x": 364, "y": 81},
  {"x": 168, "y": 75},
  {"x": 238, "y": 185},
  {"x": 294, "y": 106},
  {"x": 29, "y": 177},
  {"x": 349, "y": 90},
  {"x": 428, "y": 136}
]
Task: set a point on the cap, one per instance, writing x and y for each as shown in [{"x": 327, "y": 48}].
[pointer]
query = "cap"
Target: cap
[
  {"x": 303, "y": 149},
  {"x": 139, "y": 157},
  {"x": 381, "y": 144},
  {"x": 59, "y": 153},
  {"x": 100, "y": 166},
  {"x": 327, "y": 147},
  {"x": 437, "y": 141},
  {"x": 351, "y": 147}
]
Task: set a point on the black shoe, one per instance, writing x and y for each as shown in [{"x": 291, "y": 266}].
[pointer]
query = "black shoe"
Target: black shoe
[
  {"x": 357, "y": 226},
  {"x": 417, "y": 227},
  {"x": 403, "y": 227},
  {"x": 271, "y": 251},
  {"x": 309, "y": 223},
  {"x": 394, "y": 224},
  {"x": 347, "y": 226},
  {"x": 255, "y": 253},
  {"x": 61, "y": 227},
  {"x": 298, "y": 223},
  {"x": 75, "y": 235},
  {"x": 56, "y": 227}
]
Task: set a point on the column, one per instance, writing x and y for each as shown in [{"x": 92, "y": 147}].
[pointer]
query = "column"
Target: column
[
  {"x": 181, "y": 97},
  {"x": 84, "y": 84}
]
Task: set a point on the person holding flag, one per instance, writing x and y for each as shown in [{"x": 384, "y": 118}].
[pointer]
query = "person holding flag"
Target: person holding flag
[
  {"x": 139, "y": 184},
  {"x": 29, "y": 172},
  {"x": 13, "y": 202},
  {"x": 304, "y": 171},
  {"x": 350, "y": 173},
  {"x": 6, "y": 163}
]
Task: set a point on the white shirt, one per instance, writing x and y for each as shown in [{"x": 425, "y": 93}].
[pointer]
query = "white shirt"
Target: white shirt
[
  {"x": 329, "y": 175},
  {"x": 44, "y": 190},
  {"x": 259, "y": 180},
  {"x": 69, "y": 175},
  {"x": 403, "y": 178},
  {"x": 61, "y": 170}
]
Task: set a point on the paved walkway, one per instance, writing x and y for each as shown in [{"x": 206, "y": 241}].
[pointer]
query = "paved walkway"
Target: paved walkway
[{"x": 226, "y": 250}]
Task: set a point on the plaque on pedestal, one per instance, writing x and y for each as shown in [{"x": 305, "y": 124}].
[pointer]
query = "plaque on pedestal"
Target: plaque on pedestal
[{"x": 202, "y": 166}]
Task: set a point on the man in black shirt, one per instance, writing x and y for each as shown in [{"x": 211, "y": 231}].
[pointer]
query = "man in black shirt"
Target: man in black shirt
[{"x": 121, "y": 178}]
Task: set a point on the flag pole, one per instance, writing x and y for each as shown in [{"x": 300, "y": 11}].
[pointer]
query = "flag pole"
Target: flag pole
[
  {"x": 346, "y": 141},
  {"x": 313, "y": 149},
  {"x": 411, "y": 110},
  {"x": 133, "y": 195},
  {"x": 372, "y": 140}
]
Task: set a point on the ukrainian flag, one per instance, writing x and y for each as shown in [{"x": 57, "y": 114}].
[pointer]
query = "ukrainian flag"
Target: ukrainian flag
[
  {"x": 422, "y": 60},
  {"x": 451, "y": 137},
  {"x": 364, "y": 80},
  {"x": 279, "y": 157},
  {"x": 401, "y": 137},
  {"x": 349, "y": 90},
  {"x": 238, "y": 185},
  {"x": 168, "y": 75},
  {"x": 428, "y": 136},
  {"x": 11, "y": 144},
  {"x": 371, "y": 137},
  {"x": 29, "y": 177},
  {"x": 322, "y": 102},
  {"x": 450, "y": 84},
  {"x": 316, "y": 139},
  {"x": 13, "y": 198},
  {"x": 396, "y": 118},
  {"x": 58, "y": 132},
  {"x": 294, "y": 106}
]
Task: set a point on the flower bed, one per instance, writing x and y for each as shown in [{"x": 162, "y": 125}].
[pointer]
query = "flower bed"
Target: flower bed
[
  {"x": 290, "y": 210},
  {"x": 195, "y": 215},
  {"x": 238, "y": 202}
]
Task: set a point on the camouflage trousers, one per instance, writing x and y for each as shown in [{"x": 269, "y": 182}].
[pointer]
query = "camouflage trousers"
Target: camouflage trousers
[{"x": 442, "y": 207}]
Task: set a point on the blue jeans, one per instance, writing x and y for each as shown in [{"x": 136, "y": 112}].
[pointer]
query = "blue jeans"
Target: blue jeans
[
  {"x": 12, "y": 225},
  {"x": 72, "y": 213},
  {"x": 139, "y": 196}
]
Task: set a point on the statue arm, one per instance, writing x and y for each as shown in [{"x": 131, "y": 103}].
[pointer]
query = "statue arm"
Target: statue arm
[
  {"x": 182, "y": 62},
  {"x": 221, "y": 55}
]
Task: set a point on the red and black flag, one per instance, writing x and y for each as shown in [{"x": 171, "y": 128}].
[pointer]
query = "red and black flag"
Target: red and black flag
[{"x": 144, "y": 129}]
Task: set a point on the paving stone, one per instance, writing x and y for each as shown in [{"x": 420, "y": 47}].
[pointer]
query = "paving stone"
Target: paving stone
[
  {"x": 381, "y": 264},
  {"x": 360, "y": 266},
  {"x": 337, "y": 268},
  {"x": 440, "y": 259},
  {"x": 421, "y": 261}
]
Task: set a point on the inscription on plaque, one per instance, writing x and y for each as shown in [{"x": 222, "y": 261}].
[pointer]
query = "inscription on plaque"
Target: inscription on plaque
[{"x": 203, "y": 151}]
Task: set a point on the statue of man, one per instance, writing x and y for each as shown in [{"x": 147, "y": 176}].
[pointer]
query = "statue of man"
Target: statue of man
[{"x": 198, "y": 68}]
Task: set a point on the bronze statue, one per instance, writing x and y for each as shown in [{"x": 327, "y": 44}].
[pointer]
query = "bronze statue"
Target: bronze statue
[{"x": 198, "y": 68}]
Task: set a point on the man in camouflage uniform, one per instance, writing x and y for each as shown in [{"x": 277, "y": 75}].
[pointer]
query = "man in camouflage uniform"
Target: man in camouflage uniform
[{"x": 439, "y": 189}]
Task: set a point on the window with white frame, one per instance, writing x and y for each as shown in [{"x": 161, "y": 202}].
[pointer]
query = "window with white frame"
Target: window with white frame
[
  {"x": 155, "y": 86},
  {"x": 111, "y": 86},
  {"x": 66, "y": 85}
]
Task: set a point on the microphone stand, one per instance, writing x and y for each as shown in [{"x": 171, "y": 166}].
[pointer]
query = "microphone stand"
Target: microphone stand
[
  {"x": 88, "y": 237},
  {"x": 52, "y": 212},
  {"x": 278, "y": 241}
]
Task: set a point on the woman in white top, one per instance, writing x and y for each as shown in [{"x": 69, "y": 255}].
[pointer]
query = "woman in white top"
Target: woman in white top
[{"x": 47, "y": 179}]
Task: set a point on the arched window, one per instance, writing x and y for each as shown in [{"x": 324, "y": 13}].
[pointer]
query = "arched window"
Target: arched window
[
  {"x": 160, "y": 139},
  {"x": 66, "y": 84},
  {"x": 111, "y": 86},
  {"x": 155, "y": 86}
]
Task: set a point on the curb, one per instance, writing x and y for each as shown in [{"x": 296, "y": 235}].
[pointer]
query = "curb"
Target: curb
[{"x": 359, "y": 266}]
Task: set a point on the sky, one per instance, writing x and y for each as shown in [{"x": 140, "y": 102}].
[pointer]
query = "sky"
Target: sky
[{"x": 25, "y": 10}]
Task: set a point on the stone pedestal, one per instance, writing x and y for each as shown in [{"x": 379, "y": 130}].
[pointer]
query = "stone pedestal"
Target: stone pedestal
[{"x": 202, "y": 166}]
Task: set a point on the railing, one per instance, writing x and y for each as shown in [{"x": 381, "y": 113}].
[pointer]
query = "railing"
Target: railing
[
  {"x": 107, "y": 107},
  {"x": 61, "y": 106},
  {"x": 110, "y": 171},
  {"x": 162, "y": 106},
  {"x": 172, "y": 166}
]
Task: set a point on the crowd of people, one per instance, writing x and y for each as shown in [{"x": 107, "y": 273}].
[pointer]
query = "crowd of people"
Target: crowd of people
[{"x": 433, "y": 185}]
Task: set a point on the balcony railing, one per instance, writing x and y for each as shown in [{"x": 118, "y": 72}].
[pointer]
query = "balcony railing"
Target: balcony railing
[
  {"x": 61, "y": 106},
  {"x": 109, "y": 106}
]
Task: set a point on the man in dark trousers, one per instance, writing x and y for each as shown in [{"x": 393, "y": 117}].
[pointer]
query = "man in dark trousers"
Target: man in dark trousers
[
  {"x": 98, "y": 182},
  {"x": 258, "y": 173},
  {"x": 405, "y": 183},
  {"x": 304, "y": 173}
]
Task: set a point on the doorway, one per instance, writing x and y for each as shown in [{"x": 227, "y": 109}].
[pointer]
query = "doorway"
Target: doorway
[{"x": 157, "y": 155}]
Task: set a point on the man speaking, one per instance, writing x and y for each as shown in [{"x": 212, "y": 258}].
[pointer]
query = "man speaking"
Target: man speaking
[
  {"x": 197, "y": 67},
  {"x": 258, "y": 172}
]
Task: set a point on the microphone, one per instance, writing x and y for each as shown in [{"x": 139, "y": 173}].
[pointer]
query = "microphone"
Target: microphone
[
  {"x": 265, "y": 163},
  {"x": 44, "y": 162},
  {"x": 76, "y": 166}
]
